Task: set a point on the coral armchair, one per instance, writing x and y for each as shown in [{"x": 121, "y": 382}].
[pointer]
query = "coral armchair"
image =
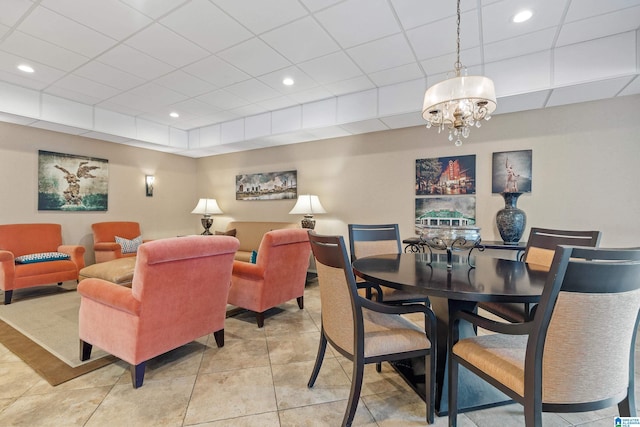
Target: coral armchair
[
  {"x": 104, "y": 239},
  {"x": 179, "y": 293},
  {"x": 17, "y": 240},
  {"x": 279, "y": 274}
]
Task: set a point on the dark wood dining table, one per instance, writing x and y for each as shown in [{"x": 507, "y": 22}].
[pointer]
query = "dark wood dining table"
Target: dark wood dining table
[{"x": 468, "y": 282}]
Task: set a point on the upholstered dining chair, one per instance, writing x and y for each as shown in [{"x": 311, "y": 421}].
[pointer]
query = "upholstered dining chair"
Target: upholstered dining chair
[
  {"x": 378, "y": 239},
  {"x": 278, "y": 275},
  {"x": 115, "y": 239},
  {"x": 540, "y": 249},
  {"x": 577, "y": 354},
  {"x": 366, "y": 331},
  {"x": 179, "y": 293}
]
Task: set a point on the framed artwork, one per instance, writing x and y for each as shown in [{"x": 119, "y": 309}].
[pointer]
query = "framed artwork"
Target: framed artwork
[
  {"x": 452, "y": 211},
  {"x": 446, "y": 176},
  {"x": 67, "y": 182},
  {"x": 511, "y": 172},
  {"x": 267, "y": 186}
]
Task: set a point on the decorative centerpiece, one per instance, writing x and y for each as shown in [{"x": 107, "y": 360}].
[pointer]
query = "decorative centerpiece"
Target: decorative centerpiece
[{"x": 449, "y": 238}]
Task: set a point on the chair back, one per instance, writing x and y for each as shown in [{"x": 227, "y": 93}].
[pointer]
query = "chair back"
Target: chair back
[
  {"x": 542, "y": 243},
  {"x": 585, "y": 326},
  {"x": 284, "y": 255},
  {"x": 341, "y": 314},
  {"x": 182, "y": 284},
  {"x": 376, "y": 239},
  {"x": 107, "y": 231}
]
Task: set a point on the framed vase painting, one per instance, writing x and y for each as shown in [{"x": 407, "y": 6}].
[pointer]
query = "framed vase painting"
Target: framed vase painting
[
  {"x": 446, "y": 176},
  {"x": 67, "y": 182},
  {"x": 511, "y": 172},
  {"x": 267, "y": 186}
]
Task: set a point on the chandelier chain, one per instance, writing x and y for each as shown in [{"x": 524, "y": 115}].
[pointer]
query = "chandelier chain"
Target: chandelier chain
[{"x": 458, "y": 64}]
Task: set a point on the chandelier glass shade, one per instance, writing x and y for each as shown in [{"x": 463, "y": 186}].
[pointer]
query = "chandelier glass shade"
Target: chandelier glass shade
[{"x": 460, "y": 102}]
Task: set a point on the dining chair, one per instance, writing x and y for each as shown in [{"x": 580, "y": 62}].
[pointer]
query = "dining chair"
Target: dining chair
[
  {"x": 378, "y": 239},
  {"x": 576, "y": 354},
  {"x": 366, "y": 331},
  {"x": 540, "y": 249}
]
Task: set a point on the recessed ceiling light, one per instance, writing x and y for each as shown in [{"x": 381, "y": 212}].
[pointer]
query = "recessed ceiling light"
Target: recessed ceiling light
[
  {"x": 174, "y": 115},
  {"x": 288, "y": 81},
  {"x": 523, "y": 16},
  {"x": 26, "y": 68}
]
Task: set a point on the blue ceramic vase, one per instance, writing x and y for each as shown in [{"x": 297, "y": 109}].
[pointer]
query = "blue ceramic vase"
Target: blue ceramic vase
[{"x": 511, "y": 220}]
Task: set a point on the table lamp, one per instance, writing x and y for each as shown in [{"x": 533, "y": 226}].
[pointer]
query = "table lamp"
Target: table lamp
[
  {"x": 207, "y": 207},
  {"x": 308, "y": 205}
]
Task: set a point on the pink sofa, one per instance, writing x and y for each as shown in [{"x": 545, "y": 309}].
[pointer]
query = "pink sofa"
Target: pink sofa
[
  {"x": 279, "y": 274},
  {"x": 27, "y": 239},
  {"x": 179, "y": 293}
]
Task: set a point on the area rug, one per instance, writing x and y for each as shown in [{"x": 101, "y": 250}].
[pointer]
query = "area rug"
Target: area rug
[{"x": 43, "y": 332}]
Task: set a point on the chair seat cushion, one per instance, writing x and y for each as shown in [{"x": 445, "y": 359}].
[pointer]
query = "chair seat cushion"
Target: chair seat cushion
[
  {"x": 483, "y": 351},
  {"x": 391, "y": 333},
  {"x": 118, "y": 271},
  {"x": 41, "y": 257}
]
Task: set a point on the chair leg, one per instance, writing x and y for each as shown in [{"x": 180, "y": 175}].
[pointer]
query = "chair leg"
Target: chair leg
[
  {"x": 7, "y": 297},
  {"x": 379, "y": 367},
  {"x": 85, "y": 350},
  {"x": 260, "y": 319},
  {"x": 356, "y": 388},
  {"x": 322, "y": 347},
  {"x": 219, "y": 336},
  {"x": 300, "y": 301},
  {"x": 59, "y": 283},
  {"x": 430, "y": 382},
  {"x": 137, "y": 374},
  {"x": 453, "y": 392}
]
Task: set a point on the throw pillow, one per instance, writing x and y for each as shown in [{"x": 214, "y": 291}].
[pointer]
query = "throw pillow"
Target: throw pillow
[
  {"x": 129, "y": 246},
  {"x": 254, "y": 257},
  {"x": 231, "y": 233},
  {"x": 40, "y": 257}
]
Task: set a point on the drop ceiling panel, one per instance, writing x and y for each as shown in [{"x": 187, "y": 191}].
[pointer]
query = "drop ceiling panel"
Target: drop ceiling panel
[
  {"x": 341, "y": 20},
  {"x": 520, "y": 45},
  {"x": 403, "y": 73},
  {"x": 331, "y": 68},
  {"x": 529, "y": 73},
  {"x": 109, "y": 17},
  {"x": 423, "y": 39},
  {"x": 42, "y": 51},
  {"x": 18, "y": 100},
  {"x": 135, "y": 62},
  {"x": 587, "y": 8},
  {"x": 206, "y": 25},
  {"x": 254, "y": 57},
  {"x": 587, "y": 92},
  {"x": 301, "y": 40},
  {"x": 13, "y": 10},
  {"x": 57, "y": 29},
  {"x": 156, "y": 8},
  {"x": 600, "y": 26},
  {"x": 526, "y": 101},
  {"x": 166, "y": 46},
  {"x": 263, "y": 16},
  {"x": 38, "y": 80},
  {"x": 216, "y": 71},
  {"x": 366, "y": 55},
  {"x": 108, "y": 75},
  {"x": 184, "y": 83}
]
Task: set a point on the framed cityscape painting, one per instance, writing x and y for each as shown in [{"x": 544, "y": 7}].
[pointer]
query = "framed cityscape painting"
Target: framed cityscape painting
[
  {"x": 267, "y": 186},
  {"x": 511, "y": 172},
  {"x": 446, "y": 176},
  {"x": 67, "y": 182}
]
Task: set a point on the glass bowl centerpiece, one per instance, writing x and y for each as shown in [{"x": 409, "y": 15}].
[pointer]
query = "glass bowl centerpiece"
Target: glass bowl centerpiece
[{"x": 449, "y": 238}]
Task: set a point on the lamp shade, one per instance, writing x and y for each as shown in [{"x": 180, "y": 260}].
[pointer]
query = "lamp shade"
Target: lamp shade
[
  {"x": 307, "y": 204},
  {"x": 207, "y": 207}
]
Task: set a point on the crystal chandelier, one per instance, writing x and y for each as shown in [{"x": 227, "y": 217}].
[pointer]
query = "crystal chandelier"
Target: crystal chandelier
[{"x": 459, "y": 102}]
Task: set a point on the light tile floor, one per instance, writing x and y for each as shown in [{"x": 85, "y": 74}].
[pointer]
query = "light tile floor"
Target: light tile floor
[{"x": 259, "y": 378}]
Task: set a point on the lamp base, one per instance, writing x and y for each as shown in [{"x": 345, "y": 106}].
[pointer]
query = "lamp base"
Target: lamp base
[
  {"x": 308, "y": 222},
  {"x": 207, "y": 222}
]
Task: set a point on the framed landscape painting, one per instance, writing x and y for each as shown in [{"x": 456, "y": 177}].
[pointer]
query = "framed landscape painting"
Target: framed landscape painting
[
  {"x": 67, "y": 182},
  {"x": 446, "y": 176},
  {"x": 267, "y": 186}
]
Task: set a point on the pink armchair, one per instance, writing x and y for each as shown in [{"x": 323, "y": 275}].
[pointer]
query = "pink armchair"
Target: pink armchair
[
  {"x": 279, "y": 274},
  {"x": 179, "y": 293},
  {"x": 104, "y": 239},
  {"x": 18, "y": 240}
]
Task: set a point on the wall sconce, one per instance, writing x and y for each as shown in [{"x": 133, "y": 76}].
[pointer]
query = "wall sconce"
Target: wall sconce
[
  {"x": 308, "y": 205},
  {"x": 148, "y": 180},
  {"x": 207, "y": 207}
]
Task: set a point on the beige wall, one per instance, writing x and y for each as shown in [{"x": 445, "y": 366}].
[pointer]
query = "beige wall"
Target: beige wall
[
  {"x": 585, "y": 172},
  {"x": 585, "y": 163},
  {"x": 163, "y": 215}
]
